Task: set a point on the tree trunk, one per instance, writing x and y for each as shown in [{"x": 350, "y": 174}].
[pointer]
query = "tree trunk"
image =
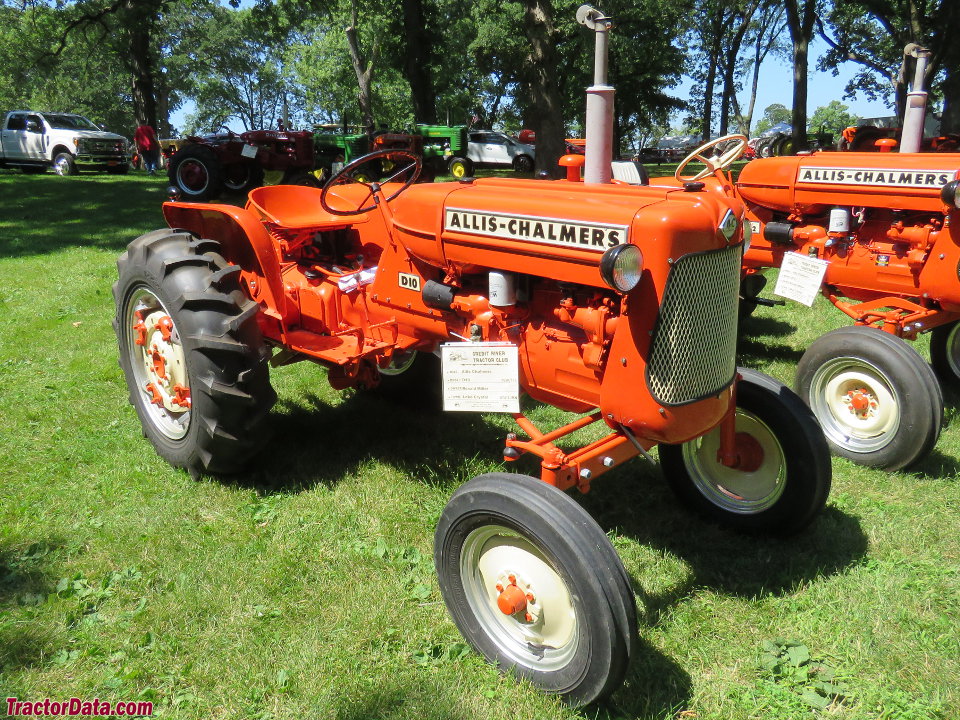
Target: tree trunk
[
  {"x": 364, "y": 72},
  {"x": 544, "y": 86},
  {"x": 800, "y": 19},
  {"x": 950, "y": 119},
  {"x": 140, "y": 50},
  {"x": 416, "y": 64}
]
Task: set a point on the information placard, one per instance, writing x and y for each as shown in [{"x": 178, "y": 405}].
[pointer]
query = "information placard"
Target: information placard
[
  {"x": 800, "y": 277},
  {"x": 480, "y": 377}
]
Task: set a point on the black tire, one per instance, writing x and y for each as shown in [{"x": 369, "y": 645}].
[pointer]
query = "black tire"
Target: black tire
[
  {"x": 580, "y": 642},
  {"x": 211, "y": 348},
  {"x": 460, "y": 167},
  {"x": 197, "y": 172},
  {"x": 945, "y": 353},
  {"x": 242, "y": 177},
  {"x": 765, "y": 147},
  {"x": 785, "y": 486},
  {"x": 64, "y": 164},
  {"x": 33, "y": 169},
  {"x": 523, "y": 163},
  {"x": 878, "y": 402}
]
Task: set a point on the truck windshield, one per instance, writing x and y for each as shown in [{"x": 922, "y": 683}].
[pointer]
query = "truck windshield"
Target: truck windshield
[{"x": 70, "y": 122}]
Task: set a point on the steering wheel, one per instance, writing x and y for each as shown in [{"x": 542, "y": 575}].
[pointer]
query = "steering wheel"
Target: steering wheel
[
  {"x": 726, "y": 159},
  {"x": 345, "y": 177}
]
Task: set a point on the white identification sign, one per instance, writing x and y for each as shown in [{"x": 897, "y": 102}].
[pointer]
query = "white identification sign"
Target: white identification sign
[
  {"x": 480, "y": 377},
  {"x": 249, "y": 151},
  {"x": 800, "y": 277}
]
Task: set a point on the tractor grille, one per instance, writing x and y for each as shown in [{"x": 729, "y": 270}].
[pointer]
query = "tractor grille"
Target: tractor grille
[{"x": 693, "y": 354}]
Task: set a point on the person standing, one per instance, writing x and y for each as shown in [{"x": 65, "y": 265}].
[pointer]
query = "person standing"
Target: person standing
[{"x": 149, "y": 147}]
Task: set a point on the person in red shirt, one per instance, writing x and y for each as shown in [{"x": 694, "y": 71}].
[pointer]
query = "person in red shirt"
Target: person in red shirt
[{"x": 146, "y": 140}]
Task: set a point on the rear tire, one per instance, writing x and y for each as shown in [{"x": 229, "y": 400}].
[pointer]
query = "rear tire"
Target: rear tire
[
  {"x": 577, "y": 634},
  {"x": 191, "y": 351},
  {"x": 789, "y": 475},
  {"x": 197, "y": 172},
  {"x": 523, "y": 163},
  {"x": 878, "y": 402}
]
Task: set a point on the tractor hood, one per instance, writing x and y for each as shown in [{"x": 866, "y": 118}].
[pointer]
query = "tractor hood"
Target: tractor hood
[
  {"x": 809, "y": 184},
  {"x": 555, "y": 229}
]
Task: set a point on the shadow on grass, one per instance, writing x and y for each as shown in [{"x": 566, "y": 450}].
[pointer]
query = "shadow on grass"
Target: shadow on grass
[
  {"x": 323, "y": 444},
  {"x": 936, "y": 466},
  {"x": 754, "y": 325},
  {"x": 393, "y": 701},
  {"x": 655, "y": 687},
  {"x": 644, "y": 509},
  {"x": 24, "y": 581},
  {"x": 92, "y": 210}
]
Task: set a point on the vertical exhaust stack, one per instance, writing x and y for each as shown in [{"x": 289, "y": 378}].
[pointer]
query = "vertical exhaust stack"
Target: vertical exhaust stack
[
  {"x": 599, "y": 101},
  {"x": 914, "y": 111}
]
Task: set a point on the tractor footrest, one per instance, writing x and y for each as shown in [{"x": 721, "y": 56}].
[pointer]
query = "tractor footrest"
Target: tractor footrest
[{"x": 341, "y": 349}]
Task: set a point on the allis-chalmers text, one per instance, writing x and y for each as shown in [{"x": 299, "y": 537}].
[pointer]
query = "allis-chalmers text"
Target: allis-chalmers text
[
  {"x": 876, "y": 176},
  {"x": 552, "y": 231}
]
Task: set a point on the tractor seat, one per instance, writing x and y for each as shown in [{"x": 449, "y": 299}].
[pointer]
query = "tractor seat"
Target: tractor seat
[
  {"x": 296, "y": 207},
  {"x": 630, "y": 171}
]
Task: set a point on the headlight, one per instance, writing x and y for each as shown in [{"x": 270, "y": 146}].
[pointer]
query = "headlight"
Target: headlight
[
  {"x": 949, "y": 194},
  {"x": 621, "y": 266},
  {"x": 76, "y": 143}
]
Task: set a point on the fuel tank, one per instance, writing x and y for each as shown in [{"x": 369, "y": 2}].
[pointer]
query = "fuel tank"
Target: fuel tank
[{"x": 810, "y": 184}]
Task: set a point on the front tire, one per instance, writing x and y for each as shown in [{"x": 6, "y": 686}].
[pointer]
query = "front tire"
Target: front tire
[
  {"x": 523, "y": 163},
  {"x": 535, "y": 586},
  {"x": 242, "y": 177},
  {"x": 945, "y": 352},
  {"x": 191, "y": 351},
  {"x": 785, "y": 477},
  {"x": 460, "y": 167},
  {"x": 64, "y": 164},
  {"x": 878, "y": 402},
  {"x": 197, "y": 172}
]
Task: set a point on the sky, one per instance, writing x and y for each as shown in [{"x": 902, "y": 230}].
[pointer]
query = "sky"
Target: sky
[{"x": 775, "y": 86}]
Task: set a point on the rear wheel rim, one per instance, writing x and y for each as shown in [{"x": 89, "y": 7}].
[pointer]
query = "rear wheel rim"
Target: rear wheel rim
[
  {"x": 856, "y": 405},
  {"x": 542, "y": 637},
  {"x": 62, "y": 166},
  {"x": 158, "y": 363},
  {"x": 733, "y": 490},
  {"x": 951, "y": 349},
  {"x": 192, "y": 176}
]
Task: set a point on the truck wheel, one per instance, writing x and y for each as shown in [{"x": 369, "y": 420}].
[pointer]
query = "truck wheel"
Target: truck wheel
[
  {"x": 242, "y": 177},
  {"x": 523, "y": 163},
  {"x": 945, "y": 352},
  {"x": 197, "y": 172},
  {"x": 460, "y": 167},
  {"x": 301, "y": 177},
  {"x": 877, "y": 400},
  {"x": 785, "y": 475},
  {"x": 535, "y": 586},
  {"x": 63, "y": 164},
  {"x": 191, "y": 351}
]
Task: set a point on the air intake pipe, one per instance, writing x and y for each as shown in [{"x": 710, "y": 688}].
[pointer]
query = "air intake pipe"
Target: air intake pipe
[{"x": 599, "y": 122}]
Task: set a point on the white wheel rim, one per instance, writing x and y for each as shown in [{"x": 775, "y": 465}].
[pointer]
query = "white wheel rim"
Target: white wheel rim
[
  {"x": 856, "y": 405},
  {"x": 399, "y": 364},
  {"x": 733, "y": 490},
  {"x": 548, "y": 640},
  {"x": 62, "y": 166},
  {"x": 158, "y": 363}
]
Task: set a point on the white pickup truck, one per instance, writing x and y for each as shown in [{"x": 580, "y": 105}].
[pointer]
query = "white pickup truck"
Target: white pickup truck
[{"x": 34, "y": 141}]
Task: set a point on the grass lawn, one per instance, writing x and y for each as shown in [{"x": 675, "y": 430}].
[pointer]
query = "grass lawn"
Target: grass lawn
[{"x": 305, "y": 587}]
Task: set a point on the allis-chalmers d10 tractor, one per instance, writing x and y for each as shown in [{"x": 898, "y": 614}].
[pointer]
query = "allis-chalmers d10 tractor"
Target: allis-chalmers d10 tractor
[
  {"x": 612, "y": 301},
  {"x": 887, "y": 226}
]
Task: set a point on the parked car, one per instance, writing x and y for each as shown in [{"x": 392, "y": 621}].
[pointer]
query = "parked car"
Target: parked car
[
  {"x": 488, "y": 148},
  {"x": 34, "y": 141}
]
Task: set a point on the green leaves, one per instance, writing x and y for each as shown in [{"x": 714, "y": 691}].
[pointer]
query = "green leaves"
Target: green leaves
[{"x": 789, "y": 663}]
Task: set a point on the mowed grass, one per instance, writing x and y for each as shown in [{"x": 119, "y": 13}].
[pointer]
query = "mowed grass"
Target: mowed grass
[{"x": 304, "y": 588}]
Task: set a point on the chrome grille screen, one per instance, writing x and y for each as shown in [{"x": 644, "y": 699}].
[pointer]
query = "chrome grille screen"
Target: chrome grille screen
[{"x": 693, "y": 354}]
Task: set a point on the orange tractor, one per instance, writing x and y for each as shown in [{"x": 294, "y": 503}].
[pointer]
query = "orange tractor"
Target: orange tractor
[
  {"x": 611, "y": 301},
  {"x": 878, "y": 233}
]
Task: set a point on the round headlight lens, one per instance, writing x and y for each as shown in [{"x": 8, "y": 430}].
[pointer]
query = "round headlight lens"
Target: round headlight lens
[
  {"x": 621, "y": 267},
  {"x": 747, "y": 234},
  {"x": 949, "y": 194}
]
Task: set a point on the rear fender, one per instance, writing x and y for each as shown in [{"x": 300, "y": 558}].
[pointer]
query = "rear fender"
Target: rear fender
[{"x": 245, "y": 242}]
